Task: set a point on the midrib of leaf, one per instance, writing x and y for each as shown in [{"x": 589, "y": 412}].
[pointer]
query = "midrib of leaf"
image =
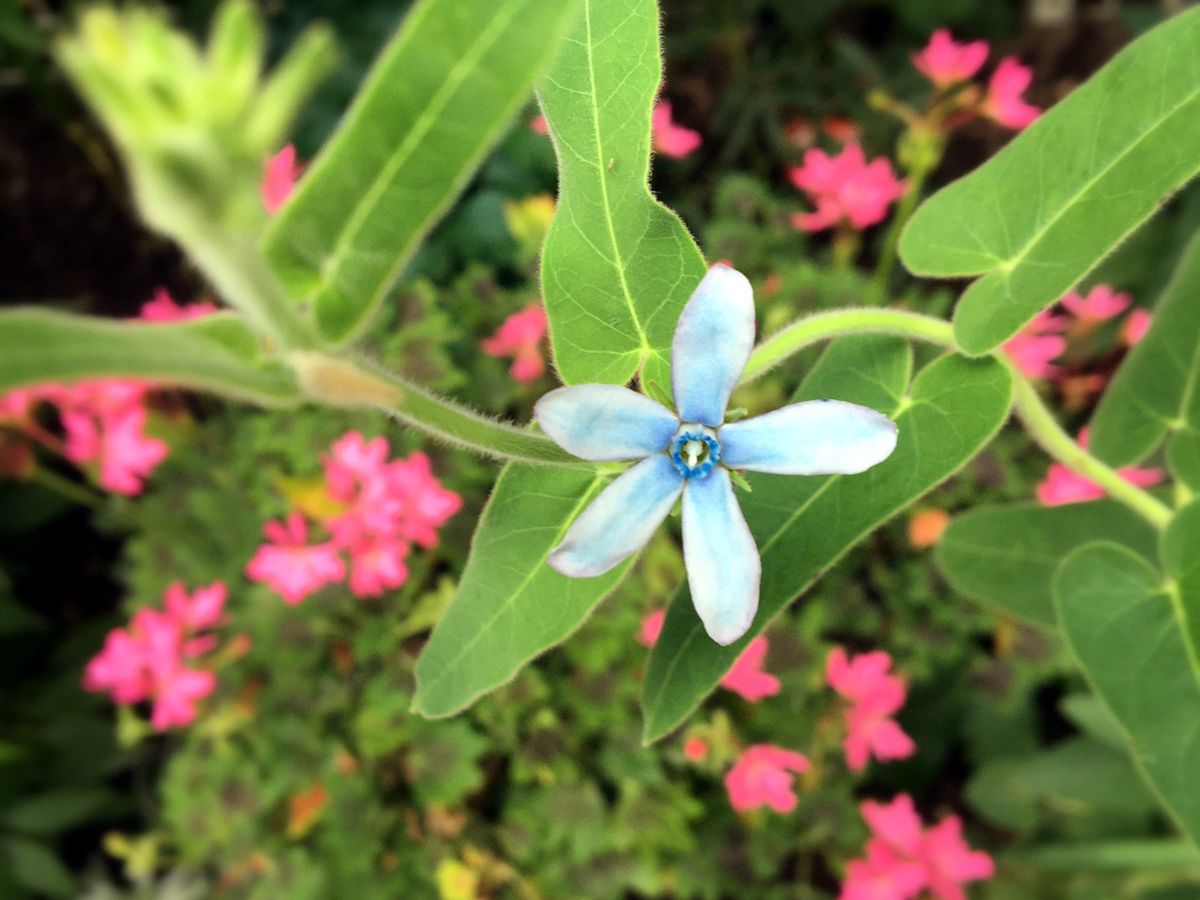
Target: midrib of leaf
[
  {"x": 1185, "y": 632},
  {"x": 448, "y": 668},
  {"x": 602, "y": 174},
  {"x": 420, "y": 130},
  {"x": 1015, "y": 260}
]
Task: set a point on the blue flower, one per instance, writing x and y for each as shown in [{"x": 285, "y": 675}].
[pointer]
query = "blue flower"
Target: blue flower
[{"x": 690, "y": 454}]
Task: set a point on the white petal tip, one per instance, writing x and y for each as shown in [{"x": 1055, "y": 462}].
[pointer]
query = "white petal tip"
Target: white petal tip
[{"x": 565, "y": 561}]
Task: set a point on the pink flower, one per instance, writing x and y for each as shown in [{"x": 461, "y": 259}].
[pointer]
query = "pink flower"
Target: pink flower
[
  {"x": 762, "y": 776},
  {"x": 945, "y": 61},
  {"x": 163, "y": 308},
  {"x": 1101, "y": 303},
  {"x": 1135, "y": 327},
  {"x": 290, "y": 565},
  {"x": 177, "y": 693},
  {"x": 520, "y": 336},
  {"x": 845, "y": 189},
  {"x": 695, "y": 749},
  {"x": 279, "y": 178},
  {"x": 118, "y": 441},
  {"x": 423, "y": 503},
  {"x": 118, "y": 669},
  {"x": 377, "y": 565},
  {"x": 1063, "y": 485},
  {"x": 883, "y": 875},
  {"x": 746, "y": 678},
  {"x": 1003, "y": 103},
  {"x": 199, "y": 610},
  {"x": 539, "y": 125},
  {"x": 18, "y": 404},
  {"x": 1037, "y": 345},
  {"x": 874, "y": 695},
  {"x": 671, "y": 139},
  {"x": 652, "y": 626},
  {"x": 949, "y": 862},
  {"x": 895, "y": 824}
]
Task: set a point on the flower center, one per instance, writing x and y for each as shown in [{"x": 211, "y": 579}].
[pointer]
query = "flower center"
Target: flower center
[{"x": 695, "y": 451}]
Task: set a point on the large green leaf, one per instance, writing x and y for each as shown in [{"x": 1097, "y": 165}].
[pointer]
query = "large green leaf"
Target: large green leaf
[
  {"x": 618, "y": 266},
  {"x": 803, "y": 525},
  {"x": 510, "y": 605},
  {"x": 1126, "y": 629},
  {"x": 438, "y": 98},
  {"x": 1154, "y": 391},
  {"x": 1046, "y": 209},
  {"x": 1006, "y": 556},
  {"x": 215, "y": 353}
]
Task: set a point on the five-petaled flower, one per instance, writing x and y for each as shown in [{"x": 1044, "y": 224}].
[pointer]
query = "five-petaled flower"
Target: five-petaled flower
[
  {"x": 689, "y": 454},
  {"x": 846, "y": 189}
]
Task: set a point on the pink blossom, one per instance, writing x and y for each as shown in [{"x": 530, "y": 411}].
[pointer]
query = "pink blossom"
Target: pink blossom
[
  {"x": 1136, "y": 325},
  {"x": 18, "y": 404},
  {"x": 199, "y": 610},
  {"x": 118, "y": 669},
  {"x": 539, "y": 125},
  {"x": 746, "y": 678},
  {"x": 1063, "y": 485},
  {"x": 1100, "y": 304},
  {"x": 950, "y": 862},
  {"x": 423, "y": 503},
  {"x": 874, "y": 695},
  {"x": 292, "y": 566},
  {"x": 178, "y": 692},
  {"x": 163, "y": 308},
  {"x": 695, "y": 749},
  {"x": 671, "y": 139},
  {"x": 945, "y": 61},
  {"x": 762, "y": 776},
  {"x": 376, "y": 565},
  {"x": 279, "y": 178},
  {"x": 1037, "y": 345},
  {"x": 845, "y": 189},
  {"x": 118, "y": 441},
  {"x": 883, "y": 875},
  {"x": 900, "y": 848},
  {"x": 652, "y": 626},
  {"x": 1003, "y": 103},
  {"x": 520, "y": 336}
]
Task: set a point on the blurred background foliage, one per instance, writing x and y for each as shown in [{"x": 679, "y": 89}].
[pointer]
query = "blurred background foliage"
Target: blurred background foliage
[{"x": 307, "y": 776}]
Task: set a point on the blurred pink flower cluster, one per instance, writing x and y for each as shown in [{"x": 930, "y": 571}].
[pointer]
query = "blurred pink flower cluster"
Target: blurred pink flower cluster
[
  {"x": 845, "y": 189},
  {"x": 903, "y": 858},
  {"x": 763, "y": 776},
  {"x": 947, "y": 63},
  {"x": 153, "y": 659},
  {"x": 520, "y": 336},
  {"x": 746, "y": 677},
  {"x": 103, "y": 420},
  {"x": 670, "y": 138},
  {"x": 1063, "y": 485},
  {"x": 382, "y": 509},
  {"x": 874, "y": 696}
]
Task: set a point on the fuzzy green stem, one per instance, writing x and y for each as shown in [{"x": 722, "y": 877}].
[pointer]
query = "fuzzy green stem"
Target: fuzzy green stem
[
  {"x": 76, "y": 493},
  {"x": 339, "y": 381},
  {"x": 1037, "y": 418}
]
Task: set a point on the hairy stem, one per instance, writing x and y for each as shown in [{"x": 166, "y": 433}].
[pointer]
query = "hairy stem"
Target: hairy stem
[
  {"x": 1037, "y": 418},
  {"x": 339, "y": 381}
]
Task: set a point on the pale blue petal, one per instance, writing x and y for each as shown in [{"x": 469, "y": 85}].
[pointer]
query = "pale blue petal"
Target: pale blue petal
[
  {"x": 817, "y": 437},
  {"x": 712, "y": 343},
  {"x": 620, "y": 520},
  {"x": 723, "y": 567},
  {"x": 604, "y": 422}
]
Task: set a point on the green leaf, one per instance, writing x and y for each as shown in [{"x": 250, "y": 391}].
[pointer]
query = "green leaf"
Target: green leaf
[
  {"x": 35, "y": 867},
  {"x": 1046, "y": 209},
  {"x": 1154, "y": 390},
  {"x": 55, "y": 811},
  {"x": 1086, "y": 857},
  {"x": 215, "y": 353},
  {"x": 1182, "y": 563},
  {"x": 618, "y": 266},
  {"x": 804, "y": 525},
  {"x": 1183, "y": 456},
  {"x": 1005, "y": 556},
  {"x": 1126, "y": 631},
  {"x": 438, "y": 98},
  {"x": 510, "y": 605}
]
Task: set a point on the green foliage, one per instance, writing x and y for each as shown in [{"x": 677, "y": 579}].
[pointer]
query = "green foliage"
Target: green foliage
[
  {"x": 406, "y": 150},
  {"x": 1046, "y": 209},
  {"x": 1154, "y": 391},
  {"x": 510, "y": 606},
  {"x": 1127, "y": 631},
  {"x": 1006, "y": 556},
  {"x": 617, "y": 266},
  {"x": 804, "y": 525},
  {"x": 214, "y": 353}
]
